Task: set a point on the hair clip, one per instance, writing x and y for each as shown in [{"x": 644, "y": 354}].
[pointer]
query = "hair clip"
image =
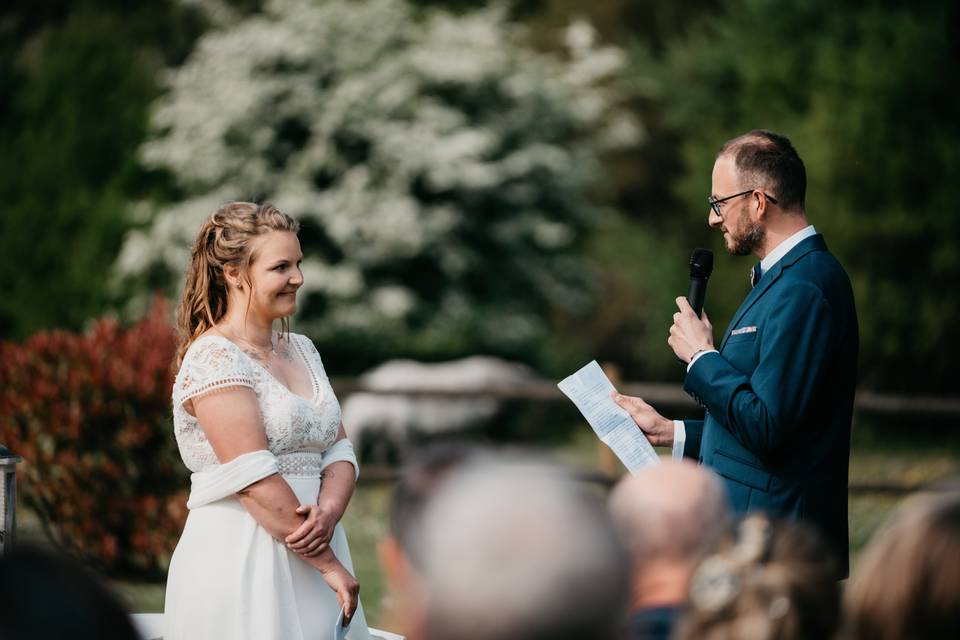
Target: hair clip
[
  {"x": 753, "y": 539},
  {"x": 715, "y": 584},
  {"x": 779, "y": 607},
  {"x": 720, "y": 577}
]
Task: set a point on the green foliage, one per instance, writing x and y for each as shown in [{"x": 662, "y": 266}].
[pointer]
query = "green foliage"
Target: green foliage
[
  {"x": 442, "y": 170},
  {"x": 77, "y": 82},
  {"x": 860, "y": 89},
  {"x": 90, "y": 414},
  {"x": 639, "y": 273}
]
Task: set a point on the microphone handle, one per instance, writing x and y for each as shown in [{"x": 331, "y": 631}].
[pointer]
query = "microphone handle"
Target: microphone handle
[{"x": 696, "y": 293}]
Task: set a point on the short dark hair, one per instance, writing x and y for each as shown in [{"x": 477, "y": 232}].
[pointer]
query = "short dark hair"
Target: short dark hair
[
  {"x": 418, "y": 481},
  {"x": 768, "y": 159}
]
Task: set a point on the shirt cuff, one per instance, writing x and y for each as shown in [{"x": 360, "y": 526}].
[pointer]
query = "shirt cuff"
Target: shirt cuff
[
  {"x": 698, "y": 356},
  {"x": 679, "y": 439}
]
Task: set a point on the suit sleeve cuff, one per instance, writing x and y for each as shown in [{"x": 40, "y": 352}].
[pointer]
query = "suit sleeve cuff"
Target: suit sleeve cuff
[
  {"x": 698, "y": 356},
  {"x": 679, "y": 439}
]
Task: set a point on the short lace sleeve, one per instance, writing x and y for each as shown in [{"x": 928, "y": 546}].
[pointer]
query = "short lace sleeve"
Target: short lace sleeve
[{"x": 211, "y": 364}]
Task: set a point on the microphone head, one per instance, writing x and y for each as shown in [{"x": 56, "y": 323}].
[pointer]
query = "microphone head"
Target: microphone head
[{"x": 701, "y": 263}]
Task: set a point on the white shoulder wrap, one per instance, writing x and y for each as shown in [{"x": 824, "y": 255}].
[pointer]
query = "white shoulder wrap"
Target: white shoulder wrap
[
  {"x": 229, "y": 478},
  {"x": 342, "y": 450}
]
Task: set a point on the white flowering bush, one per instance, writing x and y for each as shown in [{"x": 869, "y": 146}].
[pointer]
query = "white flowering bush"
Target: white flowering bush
[{"x": 441, "y": 170}]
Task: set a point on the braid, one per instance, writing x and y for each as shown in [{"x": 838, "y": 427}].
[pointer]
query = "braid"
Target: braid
[{"x": 224, "y": 239}]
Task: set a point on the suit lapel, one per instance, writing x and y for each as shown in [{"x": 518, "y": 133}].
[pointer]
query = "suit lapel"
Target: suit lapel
[
  {"x": 813, "y": 243},
  {"x": 761, "y": 287}
]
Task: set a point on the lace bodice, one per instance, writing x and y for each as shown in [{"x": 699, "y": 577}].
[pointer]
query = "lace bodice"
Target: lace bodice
[{"x": 297, "y": 429}]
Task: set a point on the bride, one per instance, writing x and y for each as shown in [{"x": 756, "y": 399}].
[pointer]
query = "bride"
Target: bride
[{"x": 262, "y": 555}]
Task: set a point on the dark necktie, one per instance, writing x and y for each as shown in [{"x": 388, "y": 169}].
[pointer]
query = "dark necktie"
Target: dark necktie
[{"x": 755, "y": 274}]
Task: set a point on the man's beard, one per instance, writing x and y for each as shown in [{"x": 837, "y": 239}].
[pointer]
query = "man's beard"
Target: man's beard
[{"x": 746, "y": 238}]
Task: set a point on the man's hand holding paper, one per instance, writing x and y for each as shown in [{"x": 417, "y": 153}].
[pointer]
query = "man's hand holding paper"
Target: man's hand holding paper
[
  {"x": 593, "y": 393},
  {"x": 659, "y": 430}
]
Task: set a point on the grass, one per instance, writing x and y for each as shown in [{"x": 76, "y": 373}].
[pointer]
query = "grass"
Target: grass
[{"x": 879, "y": 455}]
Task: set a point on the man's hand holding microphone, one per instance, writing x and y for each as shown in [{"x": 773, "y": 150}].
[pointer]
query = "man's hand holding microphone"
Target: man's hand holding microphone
[{"x": 690, "y": 334}]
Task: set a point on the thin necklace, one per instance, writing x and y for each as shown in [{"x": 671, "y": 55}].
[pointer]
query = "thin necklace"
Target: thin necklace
[{"x": 259, "y": 353}]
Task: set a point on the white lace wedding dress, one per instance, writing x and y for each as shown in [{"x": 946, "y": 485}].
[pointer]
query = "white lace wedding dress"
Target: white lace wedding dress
[{"x": 228, "y": 578}]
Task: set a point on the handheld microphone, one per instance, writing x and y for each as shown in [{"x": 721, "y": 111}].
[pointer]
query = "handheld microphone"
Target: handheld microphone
[{"x": 701, "y": 266}]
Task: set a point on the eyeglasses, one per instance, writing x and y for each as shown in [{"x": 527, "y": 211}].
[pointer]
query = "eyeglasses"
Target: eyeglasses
[{"x": 715, "y": 204}]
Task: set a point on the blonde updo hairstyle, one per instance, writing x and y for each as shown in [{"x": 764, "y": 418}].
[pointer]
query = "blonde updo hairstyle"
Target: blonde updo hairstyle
[{"x": 225, "y": 238}]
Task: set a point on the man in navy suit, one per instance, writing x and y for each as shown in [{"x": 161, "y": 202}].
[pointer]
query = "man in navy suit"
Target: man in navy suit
[{"x": 778, "y": 393}]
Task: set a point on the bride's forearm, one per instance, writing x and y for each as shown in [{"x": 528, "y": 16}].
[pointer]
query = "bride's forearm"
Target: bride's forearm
[
  {"x": 272, "y": 503},
  {"x": 322, "y": 562},
  {"x": 339, "y": 480}
]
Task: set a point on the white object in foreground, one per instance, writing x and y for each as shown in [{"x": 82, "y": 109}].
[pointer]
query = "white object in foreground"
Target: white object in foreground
[
  {"x": 590, "y": 389},
  {"x": 150, "y": 627}
]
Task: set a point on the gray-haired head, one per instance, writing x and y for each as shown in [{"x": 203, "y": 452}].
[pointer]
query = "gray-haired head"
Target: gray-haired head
[
  {"x": 517, "y": 548},
  {"x": 670, "y": 512}
]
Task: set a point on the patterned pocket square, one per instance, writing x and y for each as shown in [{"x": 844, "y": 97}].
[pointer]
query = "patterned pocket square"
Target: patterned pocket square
[{"x": 737, "y": 332}]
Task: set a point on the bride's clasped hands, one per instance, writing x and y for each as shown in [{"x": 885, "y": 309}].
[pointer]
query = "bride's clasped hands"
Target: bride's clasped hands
[
  {"x": 315, "y": 533},
  {"x": 311, "y": 539}
]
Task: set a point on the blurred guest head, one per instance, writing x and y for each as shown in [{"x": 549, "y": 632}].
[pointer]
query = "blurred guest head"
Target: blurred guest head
[
  {"x": 766, "y": 581},
  {"x": 419, "y": 480},
  {"x": 516, "y": 548},
  {"x": 667, "y": 515},
  {"x": 399, "y": 552},
  {"x": 907, "y": 584},
  {"x": 47, "y": 596}
]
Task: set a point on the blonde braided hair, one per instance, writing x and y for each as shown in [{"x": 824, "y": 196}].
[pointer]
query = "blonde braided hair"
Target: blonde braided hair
[{"x": 224, "y": 239}]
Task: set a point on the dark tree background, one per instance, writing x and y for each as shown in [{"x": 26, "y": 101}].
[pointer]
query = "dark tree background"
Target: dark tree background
[
  {"x": 865, "y": 89},
  {"x": 77, "y": 81}
]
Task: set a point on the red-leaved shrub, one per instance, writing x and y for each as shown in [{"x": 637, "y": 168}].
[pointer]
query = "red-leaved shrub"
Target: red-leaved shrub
[{"x": 90, "y": 414}]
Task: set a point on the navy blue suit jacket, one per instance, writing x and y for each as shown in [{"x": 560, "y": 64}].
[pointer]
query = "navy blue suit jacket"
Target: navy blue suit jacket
[
  {"x": 654, "y": 623},
  {"x": 779, "y": 395}
]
